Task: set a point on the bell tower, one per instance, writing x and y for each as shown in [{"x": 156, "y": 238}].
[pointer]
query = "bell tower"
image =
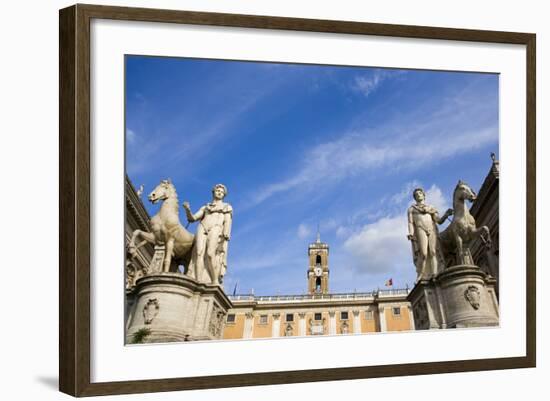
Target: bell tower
[{"x": 317, "y": 272}]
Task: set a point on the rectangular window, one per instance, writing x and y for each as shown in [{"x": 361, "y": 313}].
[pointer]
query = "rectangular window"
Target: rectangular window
[
  {"x": 318, "y": 316},
  {"x": 343, "y": 315},
  {"x": 396, "y": 311},
  {"x": 289, "y": 317},
  {"x": 263, "y": 319},
  {"x": 368, "y": 315},
  {"x": 231, "y": 318}
]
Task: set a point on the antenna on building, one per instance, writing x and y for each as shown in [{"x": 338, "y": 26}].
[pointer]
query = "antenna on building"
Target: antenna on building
[{"x": 318, "y": 234}]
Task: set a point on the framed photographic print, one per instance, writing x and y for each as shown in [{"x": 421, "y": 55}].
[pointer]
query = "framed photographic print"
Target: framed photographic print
[{"x": 250, "y": 200}]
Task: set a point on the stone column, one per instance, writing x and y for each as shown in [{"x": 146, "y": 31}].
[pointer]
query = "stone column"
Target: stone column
[
  {"x": 248, "y": 325},
  {"x": 356, "y": 322},
  {"x": 332, "y": 323},
  {"x": 382, "y": 315},
  {"x": 276, "y": 326},
  {"x": 302, "y": 324}
]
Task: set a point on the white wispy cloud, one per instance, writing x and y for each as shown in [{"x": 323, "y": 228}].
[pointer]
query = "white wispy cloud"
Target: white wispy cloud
[
  {"x": 130, "y": 136},
  {"x": 369, "y": 82},
  {"x": 436, "y": 198},
  {"x": 380, "y": 246},
  {"x": 303, "y": 231},
  {"x": 424, "y": 135},
  {"x": 205, "y": 124},
  {"x": 405, "y": 194},
  {"x": 354, "y": 154}
]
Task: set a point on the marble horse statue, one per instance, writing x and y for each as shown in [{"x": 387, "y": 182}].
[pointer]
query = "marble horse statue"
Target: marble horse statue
[
  {"x": 166, "y": 229},
  {"x": 462, "y": 230}
]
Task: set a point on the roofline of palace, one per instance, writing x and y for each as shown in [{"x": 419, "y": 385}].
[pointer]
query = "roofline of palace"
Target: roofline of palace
[{"x": 335, "y": 298}]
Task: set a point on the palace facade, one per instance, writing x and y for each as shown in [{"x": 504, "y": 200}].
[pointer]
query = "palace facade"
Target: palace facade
[{"x": 319, "y": 312}]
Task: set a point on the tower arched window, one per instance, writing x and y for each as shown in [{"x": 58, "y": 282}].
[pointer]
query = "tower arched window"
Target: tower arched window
[
  {"x": 318, "y": 260},
  {"x": 318, "y": 284}
]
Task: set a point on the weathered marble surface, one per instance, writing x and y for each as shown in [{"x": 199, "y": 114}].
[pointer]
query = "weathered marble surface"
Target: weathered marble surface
[
  {"x": 166, "y": 231},
  {"x": 174, "y": 307},
  {"x": 462, "y": 231},
  {"x": 209, "y": 256},
  {"x": 460, "y": 296},
  {"x": 424, "y": 236}
]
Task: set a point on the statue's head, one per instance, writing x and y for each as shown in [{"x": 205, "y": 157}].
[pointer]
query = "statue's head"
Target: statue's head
[
  {"x": 419, "y": 194},
  {"x": 162, "y": 191},
  {"x": 464, "y": 191},
  {"x": 219, "y": 191}
]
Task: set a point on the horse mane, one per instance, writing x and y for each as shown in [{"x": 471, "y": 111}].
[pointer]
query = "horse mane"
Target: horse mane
[{"x": 171, "y": 187}]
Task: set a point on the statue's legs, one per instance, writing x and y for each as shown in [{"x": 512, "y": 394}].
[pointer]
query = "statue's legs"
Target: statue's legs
[
  {"x": 422, "y": 239},
  {"x": 197, "y": 260},
  {"x": 432, "y": 252},
  {"x": 212, "y": 245}
]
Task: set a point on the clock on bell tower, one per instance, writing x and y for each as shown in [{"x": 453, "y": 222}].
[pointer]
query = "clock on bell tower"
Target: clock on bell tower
[{"x": 318, "y": 272}]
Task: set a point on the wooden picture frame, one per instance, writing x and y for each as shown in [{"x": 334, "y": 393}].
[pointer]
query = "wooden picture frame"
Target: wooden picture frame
[{"x": 75, "y": 200}]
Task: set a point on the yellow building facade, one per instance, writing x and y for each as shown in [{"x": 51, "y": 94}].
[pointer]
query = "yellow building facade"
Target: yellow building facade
[{"x": 319, "y": 312}]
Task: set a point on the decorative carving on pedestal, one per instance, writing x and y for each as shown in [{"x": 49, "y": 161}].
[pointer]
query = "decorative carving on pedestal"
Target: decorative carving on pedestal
[
  {"x": 421, "y": 314},
  {"x": 217, "y": 319},
  {"x": 191, "y": 311},
  {"x": 150, "y": 310},
  {"x": 473, "y": 296},
  {"x": 158, "y": 260}
]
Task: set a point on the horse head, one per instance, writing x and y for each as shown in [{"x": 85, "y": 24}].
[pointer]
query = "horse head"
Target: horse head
[
  {"x": 162, "y": 192},
  {"x": 464, "y": 192}
]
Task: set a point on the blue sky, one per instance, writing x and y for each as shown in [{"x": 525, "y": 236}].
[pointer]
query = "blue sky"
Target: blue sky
[{"x": 304, "y": 145}]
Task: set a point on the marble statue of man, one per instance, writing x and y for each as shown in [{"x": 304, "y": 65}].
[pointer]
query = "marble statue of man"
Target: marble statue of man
[
  {"x": 424, "y": 235},
  {"x": 209, "y": 257}
]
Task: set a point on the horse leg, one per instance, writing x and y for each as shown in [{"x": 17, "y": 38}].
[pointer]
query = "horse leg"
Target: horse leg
[
  {"x": 186, "y": 260},
  {"x": 459, "y": 251},
  {"x": 168, "y": 255},
  {"x": 132, "y": 248},
  {"x": 147, "y": 238}
]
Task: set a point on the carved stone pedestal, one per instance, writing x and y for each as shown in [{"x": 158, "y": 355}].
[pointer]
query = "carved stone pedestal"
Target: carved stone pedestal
[
  {"x": 170, "y": 307},
  {"x": 460, "y": 296}
]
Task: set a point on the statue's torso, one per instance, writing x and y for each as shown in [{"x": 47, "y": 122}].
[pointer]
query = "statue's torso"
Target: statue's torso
[
  {"x": 422, "y": 219},
  {"x": 214, "y": 215}
]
